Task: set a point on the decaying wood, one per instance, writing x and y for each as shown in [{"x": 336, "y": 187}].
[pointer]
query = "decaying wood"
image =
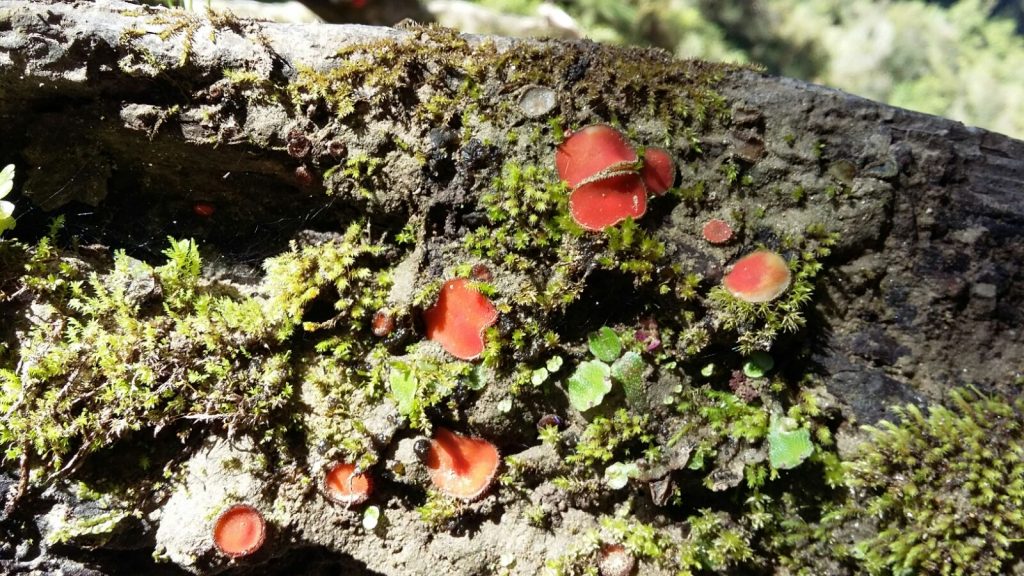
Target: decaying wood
[{"x": 102, "y": 104}]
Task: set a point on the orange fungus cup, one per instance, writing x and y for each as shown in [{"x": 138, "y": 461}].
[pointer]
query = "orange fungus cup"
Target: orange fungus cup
[
  {"x": 592, "y": 151},
  {"x": 606, "y": 202},
  {"x": 717, "y": 231},
  {"x": 462, "y": 467},
  {"x": 239, "y": 531},
  {"x": 458, "y": 320},
  {"x": 608, "y": 180},
  {"x": 659, "y": 171},
  {"x": 342, "y": 484},
  {"x": 761, "y": 276}
]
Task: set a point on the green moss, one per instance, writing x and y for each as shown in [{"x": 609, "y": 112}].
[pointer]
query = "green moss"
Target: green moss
[
  {"x": 418, "y": 382},
  {"x": 759, "y": 324},
  {"x": 713, "y": 543},
  {"x": 438, "y": 510},
  {"x": 135, "y": 348},
  {"x": 945, "y": 490},
  {"x": 605, "y": 438},
  {"x": 345, "y": 271},
  {"x": 528, "y": 220}
]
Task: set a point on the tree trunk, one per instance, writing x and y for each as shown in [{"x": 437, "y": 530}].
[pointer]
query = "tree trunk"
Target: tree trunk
[{"x": 137, "y": 123}]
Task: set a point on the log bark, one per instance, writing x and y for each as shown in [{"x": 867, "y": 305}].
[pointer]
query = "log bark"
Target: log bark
[{"x": 127, "y": 120}]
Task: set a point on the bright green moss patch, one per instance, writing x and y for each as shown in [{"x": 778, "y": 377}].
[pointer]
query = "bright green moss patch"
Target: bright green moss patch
[
  {"x": 132, "y": 348},
  {"x": 945, "y": 490},
  {"x": 346, "y": 272}
]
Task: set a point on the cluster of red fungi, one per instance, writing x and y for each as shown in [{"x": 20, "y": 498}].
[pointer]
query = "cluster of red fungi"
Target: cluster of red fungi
[{"x": 609, "y": 182}]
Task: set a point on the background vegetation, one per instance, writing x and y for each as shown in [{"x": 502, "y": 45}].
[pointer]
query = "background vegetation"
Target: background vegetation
[{"x": 958, "y": 59}]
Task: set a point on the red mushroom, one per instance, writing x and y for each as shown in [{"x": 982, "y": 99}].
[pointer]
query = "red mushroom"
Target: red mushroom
[
  {"x": 606, "y": 202},
  {"x": 615, "y": 560},
  {"x": 659, "y": 171},
  {"x": 239, "y": 531},
  {"x": 717, "y": 231},
  {"x": 462, "y": 467},
  {"x": 458, "y": 320},
  {"x": 204, "y": 209},
  {"x": 761, "y": 276},
  {"x": 592, "y": 151},
  {"x": 344, "y": 485}
]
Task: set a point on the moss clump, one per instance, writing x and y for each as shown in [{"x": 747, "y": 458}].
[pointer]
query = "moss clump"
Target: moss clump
[
  {"x": 341, "y": 271},
  {"x": 528, "y": 219},
  {"x": 759, "y": 324},
  {"x": 713, "y": 542},
  {"x": 134, "y": 348},
  {"x": 946, "y": 490},
  {"x": 418, "y": 382}
]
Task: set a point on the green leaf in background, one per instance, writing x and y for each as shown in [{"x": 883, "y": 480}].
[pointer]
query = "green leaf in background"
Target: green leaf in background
[
  {"x": 629, "y": 371},
  {"x": 6, "y": 208},
  {"x": 554, "y": 364},
  {"x": 403, "y": 387},
  {"x": 588, "y": 384},
  {"x": 477, "y": 378},
  {"x": 788, "y": 448},
  {"x": 6, "y": 180},
  {"x": 605, "y": 344}
]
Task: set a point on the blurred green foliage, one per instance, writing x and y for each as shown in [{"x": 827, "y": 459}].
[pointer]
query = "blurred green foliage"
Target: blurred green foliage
[{"x": 955, "y": 59}]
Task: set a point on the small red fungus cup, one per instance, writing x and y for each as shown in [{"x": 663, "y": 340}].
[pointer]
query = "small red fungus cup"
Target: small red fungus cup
[
  {"x": 717, "y": 231},
  {"x": 760, "y": 276},
  {"x": 458, "y": 320},
  {"x": 462, "y": 467},
  {"x": 239, "y": 531},
  {"x": 343, "y": 485},
  {"x": 615, "y": 560},
  {"x": 659, "y": 171}
]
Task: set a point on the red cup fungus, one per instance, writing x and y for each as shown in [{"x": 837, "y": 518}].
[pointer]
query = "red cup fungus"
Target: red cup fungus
[
  {"x": 239, "y": 531},
  {"x": 592, "y": 151},
  {"x": 717, "y": 231},
  {"x": 462, "y": 467},
  {"x": 615, "y": 560},
  {"x": 382, "y": 324},
  {"x": 659, "y": 171},
  {"x": 606, "y": 202},
  {"x": 609, "y": 182},
  {"x": 344, "y": 485},
  {"x": 203, "y": 209},
  {"x": 458, "y": 320},
  {"x": 761, "y": 276}
]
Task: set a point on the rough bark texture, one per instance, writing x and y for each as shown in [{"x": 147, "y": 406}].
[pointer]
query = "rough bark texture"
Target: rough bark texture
[{"x": 129, "y": 121}]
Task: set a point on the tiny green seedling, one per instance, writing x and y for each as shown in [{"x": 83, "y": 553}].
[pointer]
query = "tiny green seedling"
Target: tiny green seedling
[
  {"x": 788, "y": 446},
  {"x": 6, "y": 208},
  {"x": 629, "y": 371},
  {"x": 758, "y": 365},
  {"x": 403, "y": 387},
  {"x": 605, "y": 344},
  {"x": 589, "y": 384},
  {"x": 617, "y": 475},
  {"x": 371, "y": 517}
]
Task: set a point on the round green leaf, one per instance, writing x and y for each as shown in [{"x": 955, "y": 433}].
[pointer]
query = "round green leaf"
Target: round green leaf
[
  {"x": 605, "y": 344},
  {"x": 588, "y": 384}
]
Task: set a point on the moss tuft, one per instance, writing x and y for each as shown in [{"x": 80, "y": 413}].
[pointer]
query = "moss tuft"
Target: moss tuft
[{"x": 945, "y": 491}]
